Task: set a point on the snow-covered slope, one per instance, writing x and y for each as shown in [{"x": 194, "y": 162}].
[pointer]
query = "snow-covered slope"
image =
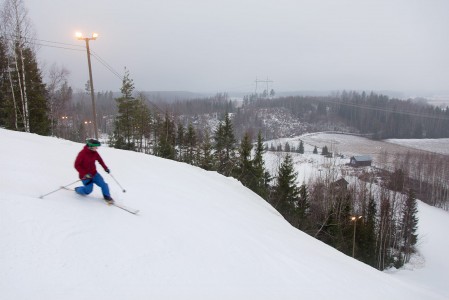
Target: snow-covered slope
[{"x": 199, "y": 236}]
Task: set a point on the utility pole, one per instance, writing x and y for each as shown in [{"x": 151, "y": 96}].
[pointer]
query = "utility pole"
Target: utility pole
[
  {"x": 92, "y": 94},
  {"x": 354, "y": 219},
  {"x": 265, "y": 81}
]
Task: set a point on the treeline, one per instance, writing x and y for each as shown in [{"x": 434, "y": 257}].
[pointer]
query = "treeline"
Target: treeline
[
  {"x": 218, "y": 104},
  {"x": 371, "y": 114},
  {"x": 385, "y": 118}
]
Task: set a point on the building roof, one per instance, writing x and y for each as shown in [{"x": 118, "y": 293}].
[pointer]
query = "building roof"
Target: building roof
[
  {"x": 362, "y": 158},
  {"x": 341, "y": 182}
]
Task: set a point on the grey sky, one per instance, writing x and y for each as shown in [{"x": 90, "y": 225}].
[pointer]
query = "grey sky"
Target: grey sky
[{"x": 219, "y": 46}]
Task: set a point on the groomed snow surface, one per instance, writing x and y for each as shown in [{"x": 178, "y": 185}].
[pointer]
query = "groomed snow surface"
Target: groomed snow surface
[{"x": 199, "y": 235}]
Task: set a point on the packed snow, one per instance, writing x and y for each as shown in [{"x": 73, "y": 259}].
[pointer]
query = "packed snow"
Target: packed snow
[{"x": 198, "y": 235}]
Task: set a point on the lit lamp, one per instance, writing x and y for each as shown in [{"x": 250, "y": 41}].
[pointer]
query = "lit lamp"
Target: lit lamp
[
  {"x": 79, "y": 36},
  {"x": 354, "y": 219}
]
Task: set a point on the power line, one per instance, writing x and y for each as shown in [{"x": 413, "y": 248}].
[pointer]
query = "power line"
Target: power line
[
  {"x": 52, "y": 42},
  {"x": 42, "y": 43},
  {"x": 106, "y": 65}
]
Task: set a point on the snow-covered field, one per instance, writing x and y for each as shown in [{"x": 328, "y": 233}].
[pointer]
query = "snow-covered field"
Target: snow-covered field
[
  {"x": 440, "y": 146},
  {"x": 199, "y": 236},
  {"x": 349, "y": 145}
]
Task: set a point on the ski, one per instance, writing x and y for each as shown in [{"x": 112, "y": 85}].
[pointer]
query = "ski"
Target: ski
[
  {"x": 125, "y": 208},
  {"x": 118, "y": 205}
]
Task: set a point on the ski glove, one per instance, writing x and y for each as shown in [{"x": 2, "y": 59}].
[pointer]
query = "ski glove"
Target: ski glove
[
  {"x": 87, "y": 176},
  {"x": 107, "y": 171}
]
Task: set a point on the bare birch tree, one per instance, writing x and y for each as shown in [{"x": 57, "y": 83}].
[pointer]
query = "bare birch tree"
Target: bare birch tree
[
  {"x": 17, "y": 30},
  {"x": 59, "y": 93}
]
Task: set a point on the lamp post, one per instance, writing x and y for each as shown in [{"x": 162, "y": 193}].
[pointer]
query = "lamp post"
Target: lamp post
[
  {"x": 79, "y": 36},
  {"x": 354, "y": 219}
]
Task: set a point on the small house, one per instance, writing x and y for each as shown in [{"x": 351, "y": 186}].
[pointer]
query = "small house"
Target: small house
[
  {"x": 340, "y": 184},
  {"x": 361, "y": 161}
]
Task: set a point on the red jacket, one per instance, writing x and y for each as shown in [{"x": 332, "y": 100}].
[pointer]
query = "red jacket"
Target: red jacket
[{"x": 85, "y": 162}]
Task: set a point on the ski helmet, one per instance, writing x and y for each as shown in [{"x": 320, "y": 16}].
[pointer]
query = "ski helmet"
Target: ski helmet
[{"x": 93, "y": 143}]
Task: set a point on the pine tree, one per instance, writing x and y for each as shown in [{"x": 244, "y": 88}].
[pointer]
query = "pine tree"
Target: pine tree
[
  {"x": 262, "y": 178},
  {"x": 125, "y": 122},
  {"x": 191, "y": 142},
  {"x": 218, "y": 146},
  {"x": 206, "y": 160},
  {"x": 344, "y": 234},
  {"x": 366, "y": 242},
  {"x": 245, "y": 172},
  {"x": 167, "y": 137},
  {"x": 229, "y": 138},
  {"x": 38, "y": 120},
  {"x": 315, "y": 150},
  {"x": 409, "y": 225},
  {"x": 301, "y": 147},
  {"x": 286, "y": 191},
  {"x": 132, "y": 124},
  {"x": 225, "y": 146},
  {"x": 302, "y": 207},
  {"x": 181, "y": 142},
  {"x": 143, "y": 124}
]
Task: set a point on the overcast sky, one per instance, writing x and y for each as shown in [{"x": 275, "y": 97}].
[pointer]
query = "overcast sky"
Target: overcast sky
[{"x": 223, "y": 46}]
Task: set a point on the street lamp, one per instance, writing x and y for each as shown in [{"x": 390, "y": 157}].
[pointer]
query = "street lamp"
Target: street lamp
[
  {"x": 354, "y": 219},
  {"x": 79, "y": 36}
]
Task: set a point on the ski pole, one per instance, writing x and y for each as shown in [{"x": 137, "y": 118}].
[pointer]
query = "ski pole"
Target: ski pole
[
  {"x": 62, "y": 187},
  {"x": 123, "y": 190}
]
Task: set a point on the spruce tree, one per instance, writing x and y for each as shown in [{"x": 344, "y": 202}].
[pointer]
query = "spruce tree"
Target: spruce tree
[
  {"x": 261, "y": 175},
  {"x": 245, "y": 171},
  {"x": 409, "y": 225},
  {"x": 302, "y": 207},
  {"x": 206, "y": 160},
  {"x": 125, "y": 122},
  {"x": 133, "y": 121},
  {"x": 181, "y": 142},
  {"x": 366, "y": 240},
  {"x": 143, "y": 124},
  {"x": 38, "y": 119},
  {"x": 301, "y": 147},
  {"x": 167, "y": 137},
  {"x": 225, "y": 146},
  {"x": 229, "y": 138},
  {"x": 191, "y": 142},
  {"x": 218, "y": 146},
  {"x": 286, "y": 191}
]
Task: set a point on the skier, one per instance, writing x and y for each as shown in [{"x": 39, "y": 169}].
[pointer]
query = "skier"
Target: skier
[{"x": 85, "y": 165}]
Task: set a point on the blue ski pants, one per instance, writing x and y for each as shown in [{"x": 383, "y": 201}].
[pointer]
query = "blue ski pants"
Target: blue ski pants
[{"x": 88, "y": 186}]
